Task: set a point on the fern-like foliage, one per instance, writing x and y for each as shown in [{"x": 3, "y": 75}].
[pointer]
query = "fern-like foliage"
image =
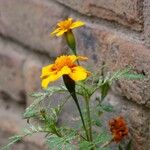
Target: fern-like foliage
[
  {"x": 31, "y": 129},
  {"x": 12, "y": 140},
  {"x": 64, "y": 141},
  {"x": 31, "y": 111},
  {"x": 99, "y": 140}
]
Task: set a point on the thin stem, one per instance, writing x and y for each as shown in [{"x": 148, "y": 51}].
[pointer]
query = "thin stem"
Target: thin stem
[
  {"x": 56, "y": 132},
  {"x": 107, "y": 143},
  {"x": 79, "y": 109},
  {"x": 70, "y": 85},
  {"x": 89, "y": 119}
]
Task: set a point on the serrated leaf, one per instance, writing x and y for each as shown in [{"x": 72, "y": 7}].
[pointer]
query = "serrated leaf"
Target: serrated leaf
[
  {"x": 85, "y": 145},
  {"x": 39, "y": 97},
  {"x": 134, "y": 76},
  {"x": 102, "y": 138},
  {"x": 126, "y": 74},
  {"x": 107, "y": 107},
  {"x": 59, "y": 143},
  {"x": 104, "y": 88},
  {"x": 97, "y": 122},
  {"x": 30, "y": 113},
  {"x": 13, "y": 140},
  {"x": 53, "y": 89}
]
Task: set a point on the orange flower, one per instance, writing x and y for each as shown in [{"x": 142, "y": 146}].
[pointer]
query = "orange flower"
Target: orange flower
[
  {"x": 65, "y": 26},
  {"x": 64, "y": 65},
  {"x": 118, "y": 128}
]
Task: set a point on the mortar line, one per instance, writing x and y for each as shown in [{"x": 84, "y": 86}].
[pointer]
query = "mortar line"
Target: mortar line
[
  {"x": 25, "y": 46},
  {"x": 113, "y": 26}
]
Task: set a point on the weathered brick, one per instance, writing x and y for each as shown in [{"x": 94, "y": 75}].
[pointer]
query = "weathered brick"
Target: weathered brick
[
  {"x": 30, "y": 22},
  {"x": 11, "y": 62},
  {"x": 147, "y": 22},
  {"x": 137, "y": 118},
  {"x": 117, "y": 51},
  {"x": 32, "y": 71},
  {"x": 126, "y": 12},
  {"x": 12, "y": 124}
]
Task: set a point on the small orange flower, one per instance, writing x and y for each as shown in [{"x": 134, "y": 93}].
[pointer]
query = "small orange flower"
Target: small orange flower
[
  {"x": 118, "y": 128},
  {"x": 65, "y": 26},
  {"x": 64, "y": 65}
]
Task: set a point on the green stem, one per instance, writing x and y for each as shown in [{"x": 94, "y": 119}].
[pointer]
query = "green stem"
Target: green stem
[
  {"x": 71, "y": 42},
  {"x": 79, "y": 109},
  {"x": 56, "y": 132},
  {"x": 70, "y": 85},
  {"x": 89, "y": 119}
]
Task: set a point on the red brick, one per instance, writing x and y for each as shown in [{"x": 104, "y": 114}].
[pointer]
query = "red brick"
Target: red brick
[
  {"x": 147, "y": 22},
  {"x": 12, "y": 124},
  {"x": 137, "y": 119},
  {"x": 117, "y": 50},
  {"x": 32, "y": 71},
  {"x": 11, "y": 63},
  {"x": 30, "y": 22},
  {"x": 126, "y": 12}
]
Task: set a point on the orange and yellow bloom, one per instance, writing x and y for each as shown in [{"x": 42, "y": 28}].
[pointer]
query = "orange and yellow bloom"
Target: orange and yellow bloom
[
  {"x": 119, "y": 128},
  {"x": 64, "y": 65},
  {"x": 65, "y": 26}
]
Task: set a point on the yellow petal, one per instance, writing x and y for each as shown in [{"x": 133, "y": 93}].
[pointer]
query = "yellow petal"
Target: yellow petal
[
  {"x": 77, "y": 24},
  {"x": 78, "y": 73},
  {"x": 65, "y": 22},
  {"x": 64, "y": 70},
  {"x": 55, "y": 31},
  {"x": 70, "y": 19},
  {"x": 46, "y": 70},
  {"x": 61, "y": 32},
  {"x": 82, "y": 58},
  {"x": 49, "y": 79},
  {"x": 55, "y": 76},
  {"x": 73, "y": 58}
]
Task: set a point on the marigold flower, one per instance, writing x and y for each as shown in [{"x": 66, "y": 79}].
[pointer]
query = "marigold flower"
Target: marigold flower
[
  {"x": 118, "y": 128},
  {"x": 64, "y": 65},
  {"x": 65, "y": 26}
]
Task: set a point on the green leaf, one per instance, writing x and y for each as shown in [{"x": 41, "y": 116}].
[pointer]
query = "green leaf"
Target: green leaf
[
  {"x": 31, "y": 129},
  {"x": 104, "y": 108},
  {"x": 54, "y": 89},
  {"x": 102, "y": 138},
  {"x": 107, "y": 107},
  {"x": 133, "y": 76},
  {"x": 96, "y": 121},
  {"x": 120, "y": 147},
  {"x": 126, "y": 74},
  {"x": 104, "y": 90},
  {"x": 129, "y": 145},
  {"x": 60, "y": 143},
  {"x": 85, "y": 145},
  {"x": 31, "y": 111},
  {"x": 13, "y": 140},
  {"x": 83, "y": 89},
  {"x": 27, "y": 131}
]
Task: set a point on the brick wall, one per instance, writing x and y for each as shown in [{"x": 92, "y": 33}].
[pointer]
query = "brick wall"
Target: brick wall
[{"x": 116, "y": 32}]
